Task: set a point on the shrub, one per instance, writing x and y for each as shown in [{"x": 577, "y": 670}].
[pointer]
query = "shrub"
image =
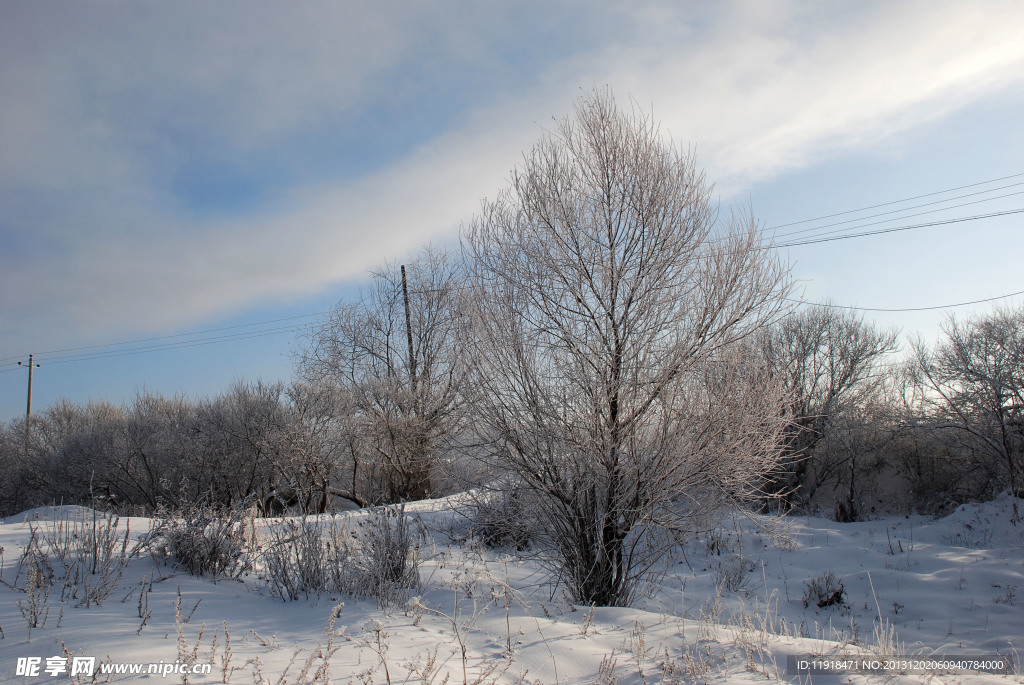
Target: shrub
[
  {"x": 389, "y": 559},
  {"x": 379, "y": 558},
  {"x": 307, "y": 556},
  {"x": 733, "y": 572},
  {"x": 206, "y": 540},
  {"x": 824, "y": 590},
  {"x": 90, "y": 551},
  {"x": 500, "y": 519}
]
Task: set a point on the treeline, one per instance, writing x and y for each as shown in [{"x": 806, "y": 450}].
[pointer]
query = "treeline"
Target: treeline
[
  {"x": 362, "y": 425},
  {"x": 869, "y": 426},
  {"x": 263, "y": 442},
  {"x": 872, "y": 426}
]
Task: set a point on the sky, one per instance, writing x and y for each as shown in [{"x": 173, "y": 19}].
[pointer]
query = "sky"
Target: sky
[{"x": 201, "y": 180}]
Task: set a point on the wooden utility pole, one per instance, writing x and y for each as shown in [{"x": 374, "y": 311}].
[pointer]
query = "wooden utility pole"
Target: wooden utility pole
[
  {"x": 408, "y": 333},
  {"x": 28, "y": 407},
  {"x": 419, "y": 476}
]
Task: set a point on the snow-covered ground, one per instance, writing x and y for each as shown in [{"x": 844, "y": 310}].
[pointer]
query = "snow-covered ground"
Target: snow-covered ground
[{"x": 728, "y": 607}]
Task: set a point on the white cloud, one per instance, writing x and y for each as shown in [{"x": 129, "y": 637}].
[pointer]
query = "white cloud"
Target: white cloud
[
  {"x": 760, "y": 97},
  {"x": 95, "y": 129}
]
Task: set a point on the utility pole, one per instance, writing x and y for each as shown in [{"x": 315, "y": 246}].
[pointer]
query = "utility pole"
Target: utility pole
[
  {"x": 408, "y": 333},
  {"x": 28, "y": 407},
  {"x": 422, "y": 477}
]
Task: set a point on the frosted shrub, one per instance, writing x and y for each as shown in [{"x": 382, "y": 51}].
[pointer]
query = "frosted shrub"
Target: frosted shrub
[
  {"x": 732, "y": 573},
  {"x": 389, "y": 559},
  {"x": 206, "y": 541},
  {"x": 89, "y": 554},
  {"x": 306, "y": 557},
  {"x": 379, "y": 558},
  {"x": 824, "y": 590},
  {"x": 38, "y": 577},
  {"x": 500, "y": 519}
]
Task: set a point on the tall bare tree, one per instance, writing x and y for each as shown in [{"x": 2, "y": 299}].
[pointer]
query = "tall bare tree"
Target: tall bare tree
[
  {"x": 394, "y": 354},
  {"x": 240, "y": 444},
  {"x": 607, "y": 299}
]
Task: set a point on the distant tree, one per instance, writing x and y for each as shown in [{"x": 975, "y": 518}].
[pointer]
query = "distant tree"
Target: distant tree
[
  {"x": 238, "y": 445},
  {"x": 936, "y": 469},
  {"x": 322, "y": 457},
  {"x": 273, "y": 445},
  {"x": 15, "y": 494},
  {"x": 971, "y": 386},
  {"x": 606, "y": 301},
  {"x": 83, "y": 444},
  {"x": 829, "y": 361},
  {"x": 394, "y": 355},
  {"x": 143, "y": 467},
  {"x": 33, "y": 477}
]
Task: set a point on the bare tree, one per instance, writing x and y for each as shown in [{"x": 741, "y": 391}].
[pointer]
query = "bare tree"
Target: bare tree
[
  {"x": 148, "y": 445},
  {"x": 828, "y": 359},
  {"x": 972, "y": 387},
  {"x": 938, "y": 470},
  {"x": 84, "y": 442},
  {"x": 238, "y": 445},
  {"x": 322, "y": 458},
  {"x": 607, "y": 300},
  {"x": 393, "y": 352}
]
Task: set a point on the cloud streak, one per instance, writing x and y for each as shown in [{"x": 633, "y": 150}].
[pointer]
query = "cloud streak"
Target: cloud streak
[{"x": 109, "y": 106}]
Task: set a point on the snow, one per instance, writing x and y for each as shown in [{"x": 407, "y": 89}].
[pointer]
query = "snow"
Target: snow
[{"x": 941, "y": 586}]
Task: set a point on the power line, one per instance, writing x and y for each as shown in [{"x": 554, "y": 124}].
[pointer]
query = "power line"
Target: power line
[
  {"x": 174, "y": 346},
  {"x": 768, "y": 241},
  {"x": 895, "y": 229},
  {"x": 183, "y": 335},
  {"x": 181, "y": 344},
  {"x": 907, "y": 309},
  {"x": 894, "y": 202},
  {"x": 109, "y": 353},
  {"x": 102, "y": 352},
  {"x": 907, "y": 216},
  {"x": 905, "y": 209}
]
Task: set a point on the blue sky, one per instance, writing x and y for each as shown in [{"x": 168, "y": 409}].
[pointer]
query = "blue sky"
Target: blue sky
[{"x": 176, "y": 167}]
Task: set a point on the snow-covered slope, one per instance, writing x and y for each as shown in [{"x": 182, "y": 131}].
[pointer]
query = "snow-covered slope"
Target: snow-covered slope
[{"x": 727, "y": 607}]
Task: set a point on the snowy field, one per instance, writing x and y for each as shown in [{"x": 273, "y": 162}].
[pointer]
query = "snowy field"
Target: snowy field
[{"x": 727, "y": 607}]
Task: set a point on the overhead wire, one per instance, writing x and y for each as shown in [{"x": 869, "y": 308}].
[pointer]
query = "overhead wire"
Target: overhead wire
[
  {"x": 893, "y": 202},
  {"x": 769, "y": 239},
  {"x": 905, "y": 209},
  {"x": 175, "y": 346},
  {"x": 893, "y": 229},
  {"x": 110, "y": 350},
  {"x": 828, "y": 305},
  {"x": 182, "y": 335}
]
